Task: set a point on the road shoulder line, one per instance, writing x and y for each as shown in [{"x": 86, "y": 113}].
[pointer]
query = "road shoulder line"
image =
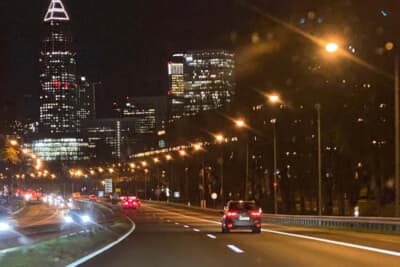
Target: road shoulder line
[{"x": 103, "y": 249}]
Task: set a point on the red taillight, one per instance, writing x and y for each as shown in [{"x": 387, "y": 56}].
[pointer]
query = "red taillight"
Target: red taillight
[
  {"x": 255, "y": 214},
  {"x": 231, "y": 214},
  {"x": 126, "y": 203},
  {"x": 229, "y": 225}
]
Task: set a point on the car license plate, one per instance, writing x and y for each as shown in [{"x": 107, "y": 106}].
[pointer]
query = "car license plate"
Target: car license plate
[{"x": 244, "y": 218}]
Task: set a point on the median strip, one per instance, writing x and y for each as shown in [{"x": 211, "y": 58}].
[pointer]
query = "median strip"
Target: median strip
[{"x": 107, "y": 247}]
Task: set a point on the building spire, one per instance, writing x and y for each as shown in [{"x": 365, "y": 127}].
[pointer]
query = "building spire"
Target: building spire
[{"x": 56, "y": 12}]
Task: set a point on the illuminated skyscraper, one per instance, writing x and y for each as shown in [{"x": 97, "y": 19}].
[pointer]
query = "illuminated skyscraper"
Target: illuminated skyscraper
[
  {"x": 59, "y": 94},
  {"x": 199, "y": 81}
]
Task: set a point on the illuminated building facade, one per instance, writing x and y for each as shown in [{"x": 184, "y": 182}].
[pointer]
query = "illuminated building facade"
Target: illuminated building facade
[
  {"x": 61, "y": 149},
  {"x": 150, "y": 112},
  {"x": 111, "y": 138},
  {"x": 199, "y": 81},
  {"x": 86, "y": 100},
  {"x": 59, "y": 94}
]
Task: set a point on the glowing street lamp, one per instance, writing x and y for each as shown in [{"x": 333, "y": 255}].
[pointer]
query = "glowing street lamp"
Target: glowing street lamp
[
  {"x": 144, "y": 163},
  {"x": 182, "y": 153},
  {"x": 168, "y": 157},
  {"x": 132, "y": 165},
  {"x": 331, "y": 47},
  {"x": 197, "y": 146},
  {"x": 156, "y": 160},
  {"x": 274, "y": 98},
  {"x": 13, "y": 142},
  {"x": 219, "y": 138},
  {"x": 110, "y": 170},
  {"x": 240, "y": 123}
]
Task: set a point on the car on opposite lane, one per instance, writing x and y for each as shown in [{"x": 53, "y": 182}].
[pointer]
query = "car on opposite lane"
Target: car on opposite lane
[{"x": 241, "y": 215}]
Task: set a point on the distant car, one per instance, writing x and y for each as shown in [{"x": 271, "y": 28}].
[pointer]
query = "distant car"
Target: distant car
[
  {"x": 78, "y": 216},
  {"x": 92, "y": 198},
  {"x": 130, "y": 202},
  {"x": 241, "y": 215}
]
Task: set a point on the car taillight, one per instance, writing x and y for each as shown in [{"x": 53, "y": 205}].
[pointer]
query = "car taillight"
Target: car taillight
[
  {"x": 255, "y": 214},
  {"x": 231, "y": 214},
  {"x": 126, "y": 203}
]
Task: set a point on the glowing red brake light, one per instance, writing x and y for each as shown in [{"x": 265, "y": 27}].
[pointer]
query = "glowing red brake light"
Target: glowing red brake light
[
  {"x": 231, "y": 214},
  {"x": 255, "y": 213}
]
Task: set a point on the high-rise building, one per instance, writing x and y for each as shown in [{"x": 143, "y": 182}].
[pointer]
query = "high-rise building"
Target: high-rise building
[
  {"x": 60, "y": 94},
  {"x": 151, "y": 112},
  {"x": 86, "y": 100},
  {"x": 112, "y": 138},
  {"x": 177, "y": 85},
  {"x": 200, "y": 81}
]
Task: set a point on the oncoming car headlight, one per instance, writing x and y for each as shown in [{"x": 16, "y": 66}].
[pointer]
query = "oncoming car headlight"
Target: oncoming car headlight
[
  {"x": 68, "y": 219},
  {"x": 4, "y": 226},
  {"x": 85, "y": 218}
]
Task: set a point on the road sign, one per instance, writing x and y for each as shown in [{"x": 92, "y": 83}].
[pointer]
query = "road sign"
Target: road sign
[
  {"x": 117, "y": 190},
  {"x": 108, "y": 186}
]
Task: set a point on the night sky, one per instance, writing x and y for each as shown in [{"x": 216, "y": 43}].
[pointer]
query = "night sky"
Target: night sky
[{"x": 126, "y": 44}]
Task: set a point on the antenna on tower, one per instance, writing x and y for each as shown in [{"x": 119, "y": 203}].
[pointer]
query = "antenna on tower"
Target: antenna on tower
[{"x": 56, "y": 11}]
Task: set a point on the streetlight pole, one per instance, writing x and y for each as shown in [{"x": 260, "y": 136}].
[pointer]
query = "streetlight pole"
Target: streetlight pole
[
  {"x": 145, "y": 183},
  {"x": 222, "y": 176},
  {"x": 397, "y": 133},
  {"x": 318, "y": 108},
  {"x": 220, "y": 139},
  {"x": 273, "y": 121},
  {"x": 247, "y": 168}
]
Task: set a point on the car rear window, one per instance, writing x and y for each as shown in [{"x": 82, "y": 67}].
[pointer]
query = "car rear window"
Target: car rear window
[{"x": 242, "y": 206}]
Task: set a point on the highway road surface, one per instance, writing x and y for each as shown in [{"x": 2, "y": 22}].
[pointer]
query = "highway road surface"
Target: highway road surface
[
  {"x": 33, "y": 219},
  {"x": 166, "y": 236}
]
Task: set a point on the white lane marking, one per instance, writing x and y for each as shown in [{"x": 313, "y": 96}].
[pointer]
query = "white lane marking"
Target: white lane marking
[
  {"x": 323, "y": 240},
  {"x": 107, "y": 247},
  {"x": 196, "y": 230},
  {"x": 211, "y": 236},
  {"x": 18, "y": 211},
  {"x": 176, "y": 223},
  {"x": 168, "y": 220},
  {"x": 235, "y": 248},
  {"x": 339, "y": 243},
  {"x": 186, "y": 226}
]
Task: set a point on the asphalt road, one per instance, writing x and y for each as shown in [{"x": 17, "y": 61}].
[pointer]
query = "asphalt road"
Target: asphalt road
[
  {"x": 37, "y": 214},
  {"x": 166, "y": 236}
]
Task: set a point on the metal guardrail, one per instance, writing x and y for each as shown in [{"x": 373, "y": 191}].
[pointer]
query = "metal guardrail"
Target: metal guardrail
[
  {"x": 373, "y": 224},
  {"x": 369, "y": 224}
]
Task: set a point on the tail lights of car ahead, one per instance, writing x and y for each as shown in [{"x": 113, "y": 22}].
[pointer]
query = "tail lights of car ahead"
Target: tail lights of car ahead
[
  {"x": 232, "y": 214},
  {"x": 255, "y": 214}
]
